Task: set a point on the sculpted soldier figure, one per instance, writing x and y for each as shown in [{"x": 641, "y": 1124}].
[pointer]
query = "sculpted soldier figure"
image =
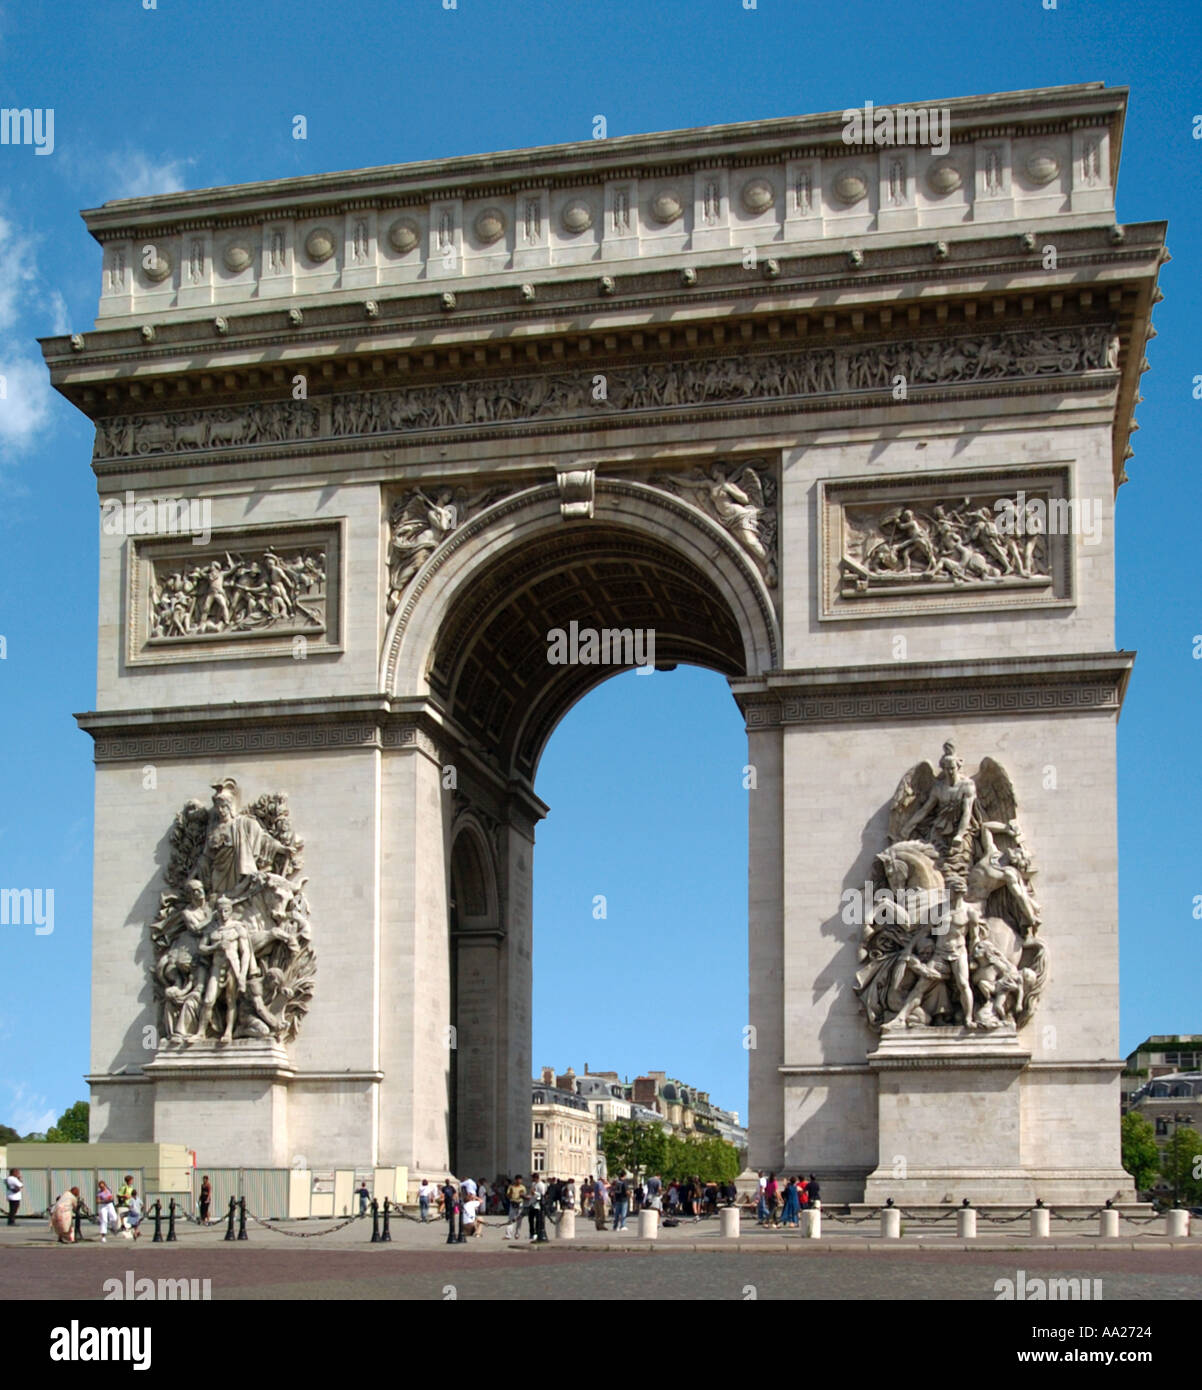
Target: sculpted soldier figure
[
  {"x": 955, "y": 844},
  {"x": 948, "y": 962},
  {"x": 952, "y": 798},
  {"x": 235, "y": 844}
]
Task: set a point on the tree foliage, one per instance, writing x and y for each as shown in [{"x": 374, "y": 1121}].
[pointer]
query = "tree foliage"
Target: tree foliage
[
  {"x": 71, "y": 1127},
  {"x": 1141, "y": 1157},
  {"x": 640, "y": 1147},
  {"x": 1181, "y": 1166}
]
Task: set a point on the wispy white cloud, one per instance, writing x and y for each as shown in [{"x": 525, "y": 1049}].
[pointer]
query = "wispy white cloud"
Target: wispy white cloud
[
  {"x": 24, "y": 399},
  {"x": 28, "y": 305},
  {"x": 134, "y": 174},
  {"x": 18, "y": 271},
  {"x": 61, "y": 315},
  {"x": 27, "y": 1111}
]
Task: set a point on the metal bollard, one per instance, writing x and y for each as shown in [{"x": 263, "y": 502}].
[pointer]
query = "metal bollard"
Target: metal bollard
[
  {"x": 966, "y": 1222},
  {"x": 158, "y": 1224},
  {"x": 890, "y": 1223},
  {"x": 78, "y": 1211},
  {"x": 728, "y": 1221},
  {"x": 1041, "y": 1221},
  {"x": 811, "y": 1222},
  {"x": 242, "y": 1219},
  {"x": 229, "y": 1230},
  {"x": 567, "y": 1225},
  {"x": 1176, "y": 1223},
  {"x": 1108, "y": 1224},
  {"x": 386, "y": 1234},
  {"x": 648, "y": 1224},
  {"x": 171, "y": 1221},
  {"x": 375, "y": 1222}
]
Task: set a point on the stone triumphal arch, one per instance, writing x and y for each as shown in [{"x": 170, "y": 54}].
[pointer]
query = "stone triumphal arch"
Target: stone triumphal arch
[{"x": 838, "y": 416}]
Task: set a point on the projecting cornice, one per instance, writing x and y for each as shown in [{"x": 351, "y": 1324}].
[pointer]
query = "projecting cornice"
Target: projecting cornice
[
  {"x": 1003, "y": 687},
  {"x": 1044, "y": 110}
]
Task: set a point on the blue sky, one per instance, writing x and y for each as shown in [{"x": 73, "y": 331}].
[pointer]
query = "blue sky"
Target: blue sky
[{"x": 644, "y": 775}]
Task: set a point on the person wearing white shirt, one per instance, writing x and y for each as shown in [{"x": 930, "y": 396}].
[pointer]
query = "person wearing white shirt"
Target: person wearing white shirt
[
  {"x": 471, "y": 1226},
  {"x": 15, "y": 1188}
]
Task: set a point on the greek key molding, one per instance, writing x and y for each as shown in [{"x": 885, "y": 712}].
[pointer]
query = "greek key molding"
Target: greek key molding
[
  {"x": 928, "y": 695},
  {"x": 388, "y": 733}
]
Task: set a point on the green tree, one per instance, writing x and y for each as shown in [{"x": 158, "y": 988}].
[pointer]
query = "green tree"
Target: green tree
[
  {"x": 707, "y": 1158},
  {"x": 8, "y": 1135},
  {"x": 72, "y": 1126},
  {"x": 1181, "y": 1165},
  {"x": 1141, "y": 1157},
  {"x": 635, "y": 1145}
]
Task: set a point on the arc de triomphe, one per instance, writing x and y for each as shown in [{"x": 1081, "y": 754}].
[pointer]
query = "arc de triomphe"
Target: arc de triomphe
[{"x": 832, "y": 410}]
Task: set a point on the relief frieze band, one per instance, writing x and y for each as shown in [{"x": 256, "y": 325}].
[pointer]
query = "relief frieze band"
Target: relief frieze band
[{"x": 966, "y": 361}]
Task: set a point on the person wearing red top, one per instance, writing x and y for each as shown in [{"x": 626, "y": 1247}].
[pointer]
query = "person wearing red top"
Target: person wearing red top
[{"x": 772, "y": 1202}]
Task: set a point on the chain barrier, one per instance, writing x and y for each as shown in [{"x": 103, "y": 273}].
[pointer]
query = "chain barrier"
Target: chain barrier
[
  {"x": 848, "y": 1219},
  {"x": 301, "y": 1235}
]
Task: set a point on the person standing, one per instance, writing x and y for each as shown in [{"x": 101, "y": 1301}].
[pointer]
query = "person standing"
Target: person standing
[
  {"x": 771, "y": 1200},
  {"x": 364, "y": 1198},
  {"x": 761, "y": 1206},
  {"x": 450, "y": 1208},
  {"x": 206, "y": 1199},
  {"x": 133, "y": 1212},
  {"x": 106, "y": 1209},
  {"x": 792, "y": 1205},
  {"x": 14, "y": 1188},
  {"x": 621, "y": 1200},
  {"x": 655, "y": 1192},
  {"x": 515, "y": 1195},
  {"x": 538, "y": 1211},
  {"x": 423, "y": 1200},
  {"x": 814, "y": 1192},
  {"x": 600, "y": 1192},
  {"x": 124, "y": 1193}
]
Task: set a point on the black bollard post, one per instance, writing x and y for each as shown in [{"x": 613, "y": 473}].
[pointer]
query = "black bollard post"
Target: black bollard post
[
  {"x": 229, "y": 1230},
  {"x": 78, "y": 1213},
  {"x": 461, "y": 1239},
  {"x": 171, "y": 1221},
  {"x": 242, "y": 1219},
  {"x": 375, "y": 1222},
  {"x": 158, "y": 1223},
  {"x": 387, "y": 1234}
]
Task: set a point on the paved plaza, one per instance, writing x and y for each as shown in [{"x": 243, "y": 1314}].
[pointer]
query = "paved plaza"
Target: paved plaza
[{"x": 309, "y": 1260}]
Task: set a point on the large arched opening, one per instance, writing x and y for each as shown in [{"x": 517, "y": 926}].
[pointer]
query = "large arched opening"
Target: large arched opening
[{"x": 661, "y": 585}]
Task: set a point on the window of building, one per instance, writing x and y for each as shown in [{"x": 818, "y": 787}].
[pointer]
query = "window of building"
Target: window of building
[
  {"x": 540, "y": 1162},
  {"x": 1162, "y": 1127},
  {"x": 538, "y": 1129}
]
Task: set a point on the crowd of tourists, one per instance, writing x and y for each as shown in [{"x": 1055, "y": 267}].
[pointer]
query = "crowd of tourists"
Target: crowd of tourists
[
  {"x": 781, "y": 1203},
  {"x": 119, "y": 1212},
  {"x": 608, "y": 1202}
]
